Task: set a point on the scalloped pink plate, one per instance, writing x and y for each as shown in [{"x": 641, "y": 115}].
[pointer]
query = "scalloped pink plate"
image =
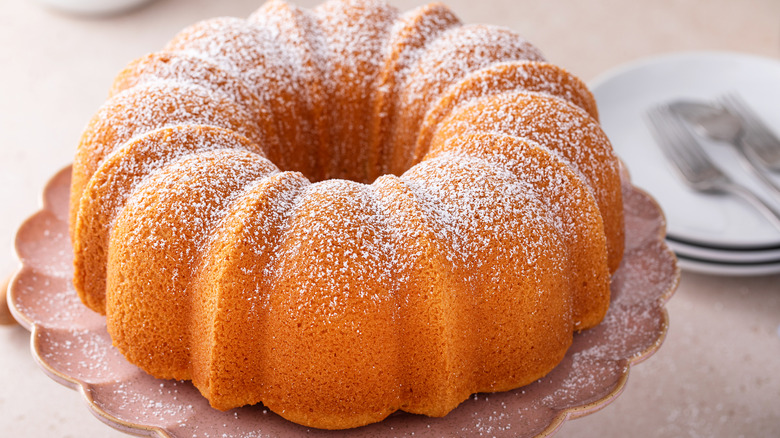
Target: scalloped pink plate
[{"x": 72, "y": 346}]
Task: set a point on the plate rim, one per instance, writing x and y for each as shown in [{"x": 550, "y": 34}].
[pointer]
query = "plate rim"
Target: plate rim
[
  {"x": 619, "y": 70},
  {"x": 723, "y": 256},
  {"x": 556, "y": 422},
  {"x": 630, "y": 67},
  {"x": 701, "y": 266}
]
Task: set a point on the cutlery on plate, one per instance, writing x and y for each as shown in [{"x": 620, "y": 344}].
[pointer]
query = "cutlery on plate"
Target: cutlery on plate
[
  {"x": 722, "y": 123},
  {"x": 758, "y": 135},
  {"x": 688, "y": 158}
]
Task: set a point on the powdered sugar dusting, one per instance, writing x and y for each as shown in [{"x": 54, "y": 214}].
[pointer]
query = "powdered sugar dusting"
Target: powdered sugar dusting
[
  {"x": 461, "y": 50},
  {"x": 156, "y": 245},
  {"x": 453, "y": 55},
  {"x": 347, "y": 87},
  {"x": 337, "y": 223},
  {"x": 187, "y": 68},
  {"x": 187, "y": 199},
  {"x": 160, "y": 405},
  {"x": 503, "y": 77},
  {"x": 135, "y": 400},
  {"x": 233, "y": 44},
  {"x": 298, "y": 35},
  {"x": 145, "y": 108},
  {"x": 474, "y": 205},
  {"x": 565, "y": 130},
  {"x": 355, "y": 34},
  {"x": 116, "y": 180},
  {"x": 253, "y": 227},
  {"x": 409, "y": 37},
  {"x": 272, "y": 73},
  {"x": 87, "y": 351},
  {"x": 137, "y": 160}
]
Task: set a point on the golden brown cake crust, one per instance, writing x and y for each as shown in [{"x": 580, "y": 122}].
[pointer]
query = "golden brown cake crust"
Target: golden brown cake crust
[
  {"x": 113, "y": 183},
  {"x": 346, "y": 211}
]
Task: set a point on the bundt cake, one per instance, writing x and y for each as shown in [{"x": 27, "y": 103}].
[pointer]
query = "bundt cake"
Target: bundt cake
[{"x": 346, "y": 211}]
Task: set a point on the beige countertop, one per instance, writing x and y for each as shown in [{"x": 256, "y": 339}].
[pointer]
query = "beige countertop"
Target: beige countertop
[{"x": 715, "y": 376}]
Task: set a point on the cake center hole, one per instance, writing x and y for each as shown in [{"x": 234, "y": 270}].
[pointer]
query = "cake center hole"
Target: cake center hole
[{"x": 358, "y": 161}]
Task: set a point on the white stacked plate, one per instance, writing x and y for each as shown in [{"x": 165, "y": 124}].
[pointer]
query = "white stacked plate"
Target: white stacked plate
[{"x": 716, "y": 234}]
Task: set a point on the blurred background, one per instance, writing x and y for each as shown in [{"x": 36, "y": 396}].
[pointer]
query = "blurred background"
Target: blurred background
[{"x": 55, "y": 71}]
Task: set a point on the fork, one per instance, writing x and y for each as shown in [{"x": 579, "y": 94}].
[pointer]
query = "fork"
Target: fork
[
  {"x": 688, "y": 158},
  {"x": 762, "y": 141},
  {"x": 718, "y": 122}
]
